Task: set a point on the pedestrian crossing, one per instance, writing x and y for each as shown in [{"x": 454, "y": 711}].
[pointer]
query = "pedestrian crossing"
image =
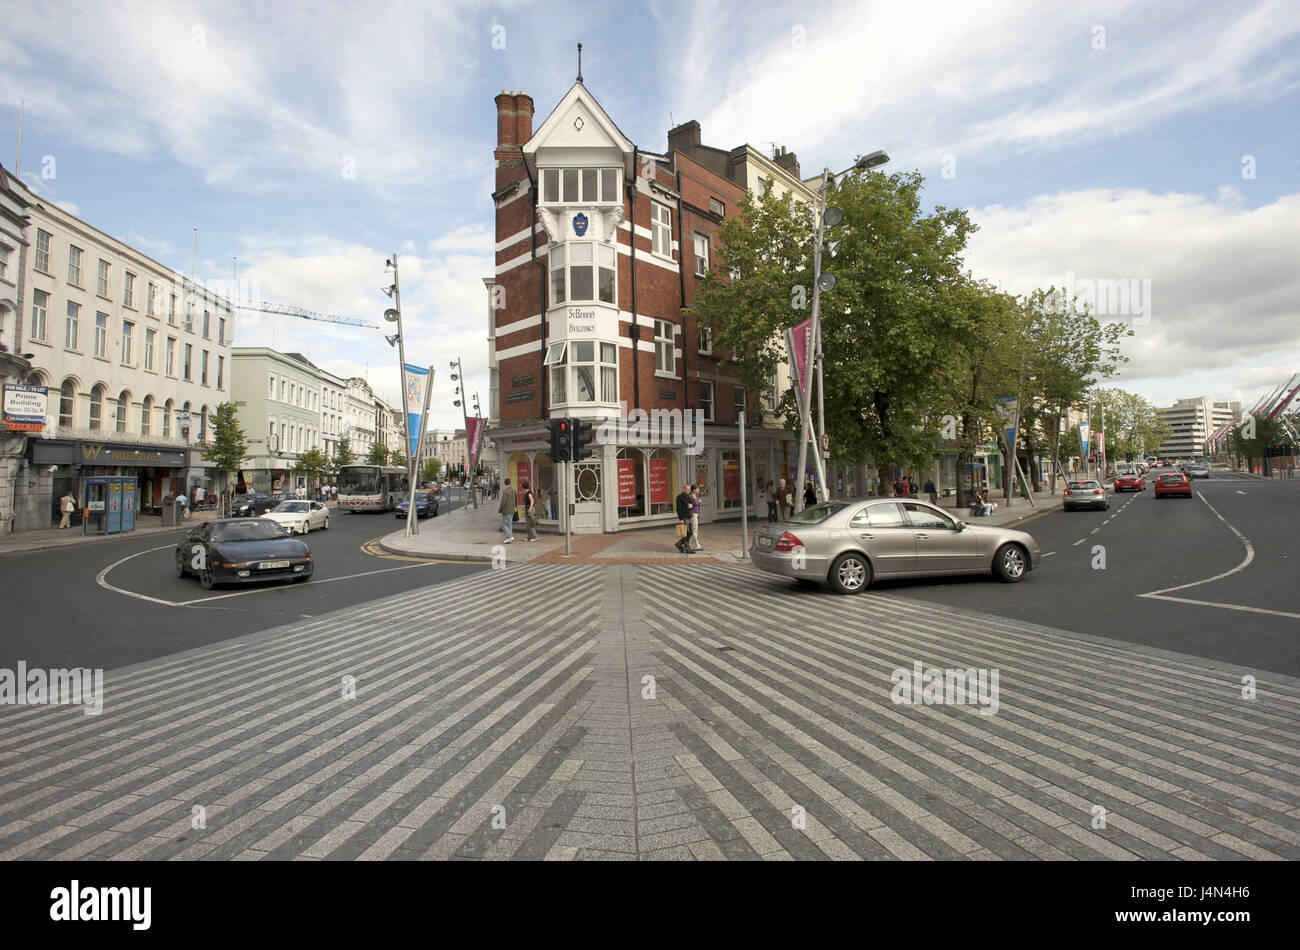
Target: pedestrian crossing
[{"x": 552, "y": 711}]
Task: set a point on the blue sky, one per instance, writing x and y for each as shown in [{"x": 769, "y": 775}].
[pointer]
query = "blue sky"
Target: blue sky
[{"x": 1105, "y": 141}]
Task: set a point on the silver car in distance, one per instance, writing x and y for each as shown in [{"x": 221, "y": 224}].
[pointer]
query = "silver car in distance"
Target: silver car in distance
[{"x": 847, "y": 543}]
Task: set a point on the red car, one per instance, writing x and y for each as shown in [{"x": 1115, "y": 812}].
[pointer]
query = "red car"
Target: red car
[
  {"x": 1130, "y": 483},
  {"x": 1173, "y": 484}
]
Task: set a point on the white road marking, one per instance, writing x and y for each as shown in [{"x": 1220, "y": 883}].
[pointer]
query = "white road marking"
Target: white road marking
[
  {"x": 102, "y": 580},
  {"x": 1079, "y": 542},
  {"x": 1250, "y": 556},
  {"x": 1210, "y": 603},
  {"x": 1049, "y": 554},
  {"x": 1239, "y": 491}
]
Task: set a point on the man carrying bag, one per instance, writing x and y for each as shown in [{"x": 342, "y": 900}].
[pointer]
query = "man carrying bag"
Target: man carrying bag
[{"x": 684, "y": 505}]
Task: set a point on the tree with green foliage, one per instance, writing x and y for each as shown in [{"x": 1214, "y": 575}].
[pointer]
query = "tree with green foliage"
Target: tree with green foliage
[
  {"x": 1268, "y": 433},
  {"x": 885, "y": 326},
  {"x": 313, "y": 464},
  {"x": 343, "y": 454},
  {"x": 1133, "y": 426},
  {"x": 227, "y": 449},
  {"x": 397, "y": 457},
  {"x": 378, "y": 455},
  {"x": 430, "y": 471}
]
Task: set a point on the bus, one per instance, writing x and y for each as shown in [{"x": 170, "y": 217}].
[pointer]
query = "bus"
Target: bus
[{"x": 371, "y": 487}]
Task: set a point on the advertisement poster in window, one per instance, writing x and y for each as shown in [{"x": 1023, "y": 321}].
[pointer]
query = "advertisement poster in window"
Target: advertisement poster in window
[
  {"x": 523, "y": 473},
  {"x": 627, "y": 482},
  {"x": 658, "y": 481},
  {"x": 731, "y": 480}
]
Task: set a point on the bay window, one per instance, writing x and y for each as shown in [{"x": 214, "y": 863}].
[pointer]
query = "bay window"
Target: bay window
[
  {"x": 582, "y": 272},
  {"x": 579, "y": 185},
  {"x": 583, "y": 371}
]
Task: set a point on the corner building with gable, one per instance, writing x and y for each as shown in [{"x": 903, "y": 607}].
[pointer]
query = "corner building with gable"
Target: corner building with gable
[{"x": 600, "y": 245}]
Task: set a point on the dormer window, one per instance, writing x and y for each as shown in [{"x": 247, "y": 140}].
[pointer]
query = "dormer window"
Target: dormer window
[{"x": 579, "y": 185}]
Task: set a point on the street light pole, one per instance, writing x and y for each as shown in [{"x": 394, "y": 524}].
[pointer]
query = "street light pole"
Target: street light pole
[{"x": 412, "y": 518}]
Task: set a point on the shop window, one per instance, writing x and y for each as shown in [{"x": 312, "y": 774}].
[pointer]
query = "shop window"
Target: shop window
[{"x": 729, "y": 475}]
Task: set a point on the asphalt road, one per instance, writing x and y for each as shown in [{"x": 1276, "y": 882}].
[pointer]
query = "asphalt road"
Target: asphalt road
[
  {"x": 1150, "y": 546},
  {"x": 116, "y": 603}
]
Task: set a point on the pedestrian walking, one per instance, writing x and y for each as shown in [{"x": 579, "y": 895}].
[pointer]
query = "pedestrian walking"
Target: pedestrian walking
[
  {"x": 785, "y": 500},
  {"x": 182, "y": 505},
  {"x": 67, "y": 505},
  {"x": 530, "y": 509},
  {"x": 772, "y": 501},
  {"x": 695, "y": 519},
  {"x": 809, "y": 495},
  {"x": 683, "y": 506},
  {"x": 507, "y": 511},
  {"x": 932, "y": 491}
]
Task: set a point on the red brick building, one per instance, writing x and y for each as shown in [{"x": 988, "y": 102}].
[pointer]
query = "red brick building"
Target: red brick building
[{"x": 600, "y": 244}]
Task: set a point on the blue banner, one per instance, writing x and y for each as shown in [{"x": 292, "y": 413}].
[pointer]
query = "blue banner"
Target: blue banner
[{"x": 417, "y": 383}]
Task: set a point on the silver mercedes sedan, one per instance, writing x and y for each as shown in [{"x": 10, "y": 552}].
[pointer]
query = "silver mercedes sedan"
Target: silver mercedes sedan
[{"x": 847, "y": 543}]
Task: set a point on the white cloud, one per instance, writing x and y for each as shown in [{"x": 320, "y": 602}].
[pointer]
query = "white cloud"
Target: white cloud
[{"x": 1222, "y": 278}]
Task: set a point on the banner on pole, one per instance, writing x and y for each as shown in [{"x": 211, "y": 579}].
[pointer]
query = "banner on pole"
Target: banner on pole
[
  {"x": 1083, "y": 439},
  {"x": 416, "y": 380},
  {"x": 474, "y": 426},
  {"x": 798, "y": 341}
]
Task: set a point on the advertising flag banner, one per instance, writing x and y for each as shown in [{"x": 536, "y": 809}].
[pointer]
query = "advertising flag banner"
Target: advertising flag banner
[
  {"x": 1083, "y": 439},
  {"x": 658, "y": 481},
  {"x": 626, "y": 483},
  {"x": 798, "y": 342},
  {"x": 474, "y": 438},
  {"x": 25, "y": 407},
  {"x": 416, "y": 379}
]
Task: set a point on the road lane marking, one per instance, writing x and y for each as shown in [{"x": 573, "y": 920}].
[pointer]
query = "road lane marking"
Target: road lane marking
[
  {"x": 102, "y": 580},
  {"x": 1250, "y": 556},
  {"x": 1239, "y": 491},
  {"x": 1079, "y": 542}
]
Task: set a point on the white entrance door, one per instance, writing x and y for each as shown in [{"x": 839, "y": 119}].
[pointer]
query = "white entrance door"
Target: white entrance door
[{"x": 585, "y": 494}]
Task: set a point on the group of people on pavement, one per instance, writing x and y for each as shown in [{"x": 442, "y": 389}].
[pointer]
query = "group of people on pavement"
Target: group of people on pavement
[
  {"x": 688, "y": 520},
  {"x": 510, "y": 500},
  {"x": 780, "y": 501}
]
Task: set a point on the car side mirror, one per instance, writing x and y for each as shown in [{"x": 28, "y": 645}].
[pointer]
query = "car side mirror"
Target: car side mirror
[{"x": 961, "y": 525}]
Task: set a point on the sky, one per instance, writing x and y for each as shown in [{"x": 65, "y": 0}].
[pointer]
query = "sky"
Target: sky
[{"x": 1144, "y": 154}]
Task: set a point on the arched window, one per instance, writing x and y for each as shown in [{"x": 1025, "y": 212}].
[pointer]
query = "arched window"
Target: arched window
[
  {"x": 146, "y": 415},
  {"x": 203, "y": 424},
  {"x": 168, "y": 408},
  {"x": 97, "y": 407},
  {"x": 123, "y": 404},
  {"x": 186, "y": 421},
  {"x": 68, "y": 403}
]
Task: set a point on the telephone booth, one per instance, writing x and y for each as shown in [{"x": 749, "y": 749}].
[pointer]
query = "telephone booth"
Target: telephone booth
[{"x": 110, "y": 505}]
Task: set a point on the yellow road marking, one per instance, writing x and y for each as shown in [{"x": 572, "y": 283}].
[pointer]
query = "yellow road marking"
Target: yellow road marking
[{"x": 373, "y": 549}]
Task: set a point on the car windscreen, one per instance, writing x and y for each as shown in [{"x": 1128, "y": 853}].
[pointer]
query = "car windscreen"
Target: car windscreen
[
  {"x": 817, "y": 513},
  {"x": 258, "y": 530},
  {"x": 298, "y": 507},
  {"x": 1080, "y": 486}
]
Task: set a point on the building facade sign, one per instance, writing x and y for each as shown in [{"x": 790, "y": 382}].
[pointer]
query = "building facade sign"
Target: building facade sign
[{"x": 25, "y": 408}]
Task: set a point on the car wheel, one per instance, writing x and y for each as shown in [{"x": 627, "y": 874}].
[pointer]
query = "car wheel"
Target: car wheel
[
  {"x": 205, "y": 579},
  {"x": 1011, "y": 563},
  {"x": 327, "y": 523},
  {"x": 850, "y": 573},
  {"x": 180, "y": 566}
]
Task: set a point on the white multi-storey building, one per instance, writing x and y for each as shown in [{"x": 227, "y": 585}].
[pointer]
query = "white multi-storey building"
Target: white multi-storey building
[
  {"x": 278, "y": 398},
  {"x": 1192, "y": 421},
  {"x": 333, "y": 409},
  {"x": 359, "y": 416},
  {"x": 135, "y": 356}
]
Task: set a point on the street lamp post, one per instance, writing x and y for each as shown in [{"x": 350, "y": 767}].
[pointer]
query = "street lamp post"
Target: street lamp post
[
  {"x": 831, "y": 216},
  {"x": 394, "y": 315},
  {"x": 458, "y": 378}
]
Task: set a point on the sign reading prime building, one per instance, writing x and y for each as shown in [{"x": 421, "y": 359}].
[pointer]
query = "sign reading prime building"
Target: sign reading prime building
[{"x": 25, "y": 408}]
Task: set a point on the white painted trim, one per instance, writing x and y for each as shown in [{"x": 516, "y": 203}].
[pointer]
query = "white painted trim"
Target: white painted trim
[
  {"x": 521, "y": 236},
  {"x": 514, "y": 262},
  {"x": 523, "y": 191},
  {"x": 523, "y": 349},
  {"x": 649, "y": 257},
  {"x": 516, "y": 326}
]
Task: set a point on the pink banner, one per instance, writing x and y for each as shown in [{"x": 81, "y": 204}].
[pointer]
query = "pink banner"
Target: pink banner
[
  {"x": 474, "y": 439},
  {"x": 626, "y": 482},
  {"x": 801, "y": 343},
  {"x": 658, "y": 481}
]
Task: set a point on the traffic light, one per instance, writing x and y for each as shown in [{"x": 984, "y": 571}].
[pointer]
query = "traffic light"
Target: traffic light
[
  {"x": 583, "y": 436},
  {"x": 561, "y": 439}
]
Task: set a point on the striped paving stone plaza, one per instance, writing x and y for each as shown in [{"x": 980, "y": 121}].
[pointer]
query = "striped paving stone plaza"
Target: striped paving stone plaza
[{"x": 657, "y": 711}]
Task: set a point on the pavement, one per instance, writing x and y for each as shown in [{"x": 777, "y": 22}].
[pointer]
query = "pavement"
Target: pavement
[
  {"x": 658, "y": 711},
  {"x": 475, "y": 535}
]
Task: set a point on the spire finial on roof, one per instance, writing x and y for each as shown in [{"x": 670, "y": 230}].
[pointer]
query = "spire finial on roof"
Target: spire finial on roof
[{"x": 579, "y": 62}]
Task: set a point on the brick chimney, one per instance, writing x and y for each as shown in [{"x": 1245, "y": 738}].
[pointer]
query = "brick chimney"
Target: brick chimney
[
  {"x": 514, "y": 119},
  {"x": 684, "y": 137},
  {"x": 787, "y": 160}
]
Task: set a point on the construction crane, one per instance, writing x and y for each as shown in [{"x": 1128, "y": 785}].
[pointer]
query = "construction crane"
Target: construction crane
[{"x": 284, "y": 310}]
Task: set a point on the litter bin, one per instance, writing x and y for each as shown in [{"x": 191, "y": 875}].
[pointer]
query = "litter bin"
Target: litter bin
[{"x": 169, "y": 513}]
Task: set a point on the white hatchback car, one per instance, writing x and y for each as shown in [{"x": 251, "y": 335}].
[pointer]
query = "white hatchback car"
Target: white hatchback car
[{"x": 299, "y": 517}]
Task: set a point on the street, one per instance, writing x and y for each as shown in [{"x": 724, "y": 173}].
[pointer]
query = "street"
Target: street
[
  {"x": 393, "y": 709},
  {"x": 1249, "y": 615},
  {"x": 116, "y": 603}
]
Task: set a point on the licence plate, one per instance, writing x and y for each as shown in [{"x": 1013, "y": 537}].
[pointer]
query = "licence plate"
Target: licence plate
[
  {"x": 764, "y": 542},
  {"x": 271, "y": 565}
]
